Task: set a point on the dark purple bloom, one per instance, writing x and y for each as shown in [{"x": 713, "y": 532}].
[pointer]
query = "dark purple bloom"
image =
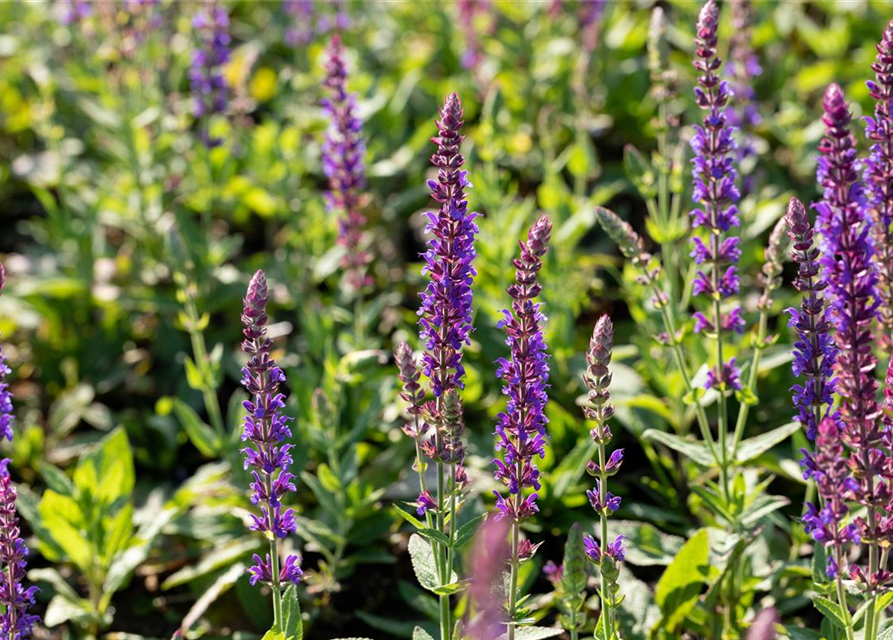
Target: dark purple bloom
[
  {"x": 445, "y": 312},
  {"x": 262, "y": 570},
  {"x": 7, "y": 417},
  {"x": 814, "y": 350},
  {"x": 878, "y": 179},
  {"x": 425, "y": 503},
  {"x": 209, "y": 88},
  {"x": 714, "y": 190},
  {"x": 610, "y": 504},
  {"x": 15, "y": 622},
  {"x": 521, "y": 428},
  {"x": 266, "y": 430},
  {"x": 343, "y": 164}
]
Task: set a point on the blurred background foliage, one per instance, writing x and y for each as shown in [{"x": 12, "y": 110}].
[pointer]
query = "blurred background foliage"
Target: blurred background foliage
[{"x": 128, "y": 246}]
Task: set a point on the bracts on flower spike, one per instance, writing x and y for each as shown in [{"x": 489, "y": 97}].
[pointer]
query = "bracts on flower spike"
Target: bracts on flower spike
[
  {"x": 605, "y": 554},
  {"x": 521, "y": 428},
  {"x": 267, "y": 453}
]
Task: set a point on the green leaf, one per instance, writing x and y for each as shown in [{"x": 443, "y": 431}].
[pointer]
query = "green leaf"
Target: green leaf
[
  {"x": 106, "y": 473},
  {"x": 64, "y": 522},
  {"x": 574, "y": 579},
  {"x": 762, "y": 506},
  {"x": 420, "y": 634},
  {"x": 648, "y": 545},
  {"x": 422, "y": 556},
  {"x": 639, "y": 172},
  {"x": 679, "y": 587},
  {"x": 831, "y": 610},
  {"x": 534, "y": 633},
  {"x": 691, "y": 449},
  {"x": 200, "y": 434},
  {"x": 293, "y": 624},
  {"x": 435, "y": 536},
  {"x": 62, "y": 610},
  {"x": 194, "y": 377},
  {"x": 753, "y": 447},
  {"x": 328, "y": 479},
  {"x": 466, "y": 532},
  {"x": 56, "y": 479}
]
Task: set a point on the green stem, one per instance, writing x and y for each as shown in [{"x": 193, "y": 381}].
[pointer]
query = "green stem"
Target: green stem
[
  {"x": 445, "y": 624},
  {"x": 607, "y": 611},
  {"x": 513, "y": 584},
  {"x": 751, "y": 380},
  {"x": 722, "y": 401},
  {"x": 841, "y": 600}
]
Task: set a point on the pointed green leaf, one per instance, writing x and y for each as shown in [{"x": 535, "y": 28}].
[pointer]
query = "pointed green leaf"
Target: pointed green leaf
[
  {"x": 200, "y": 434},
  {"x": 691, "y": 449},
  {"x": 679, "y": 587},
  {"x": 754, "y": 447}
]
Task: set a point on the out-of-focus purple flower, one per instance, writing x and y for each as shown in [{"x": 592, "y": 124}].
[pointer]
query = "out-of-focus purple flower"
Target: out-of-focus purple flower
[
  {"x": 763, "y": 626},
  {"x": 590, "y": 17},
  {"x": 814, "y": 350},
  {"x": 209, "y": 88},
  {"x": 878, "y": 179},
  {"x": 15, "y": 623},
  {"x": 74, "y": 11},
  {"x": 521, "y": 428},
  {"x": 488, "y": 558},
  {"x": 265, "y": 430},
  {"x": 445, "y": 312},
  {"x": 714, "y": 190},
  {"x": 300, "y": 12},
  {"x": 554, "y": 573},
  {"x": 744, "y": 67},
  {"x": 343, "y": 164},
  {"x": 469, "y": 10}
]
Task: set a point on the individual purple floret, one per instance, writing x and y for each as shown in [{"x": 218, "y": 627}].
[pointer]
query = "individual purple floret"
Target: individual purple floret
[
  {"x": 744, "y": 67},
  {"x": 847, "y": 259},
  {"x": 445, "y": 312},
  {"x": 613, "y": 550},
  {"x": 814, "y": 350},
  {"x": 521, "y": 428},
  {"x": 878, "y": 179},
  {"x": 713, "y": 182},
  {"x": 266, "y": 430},
  {"x": 15, "y": 623},
  {"x": 343, "y": 164},
  {"x": 209, "y": 88}
]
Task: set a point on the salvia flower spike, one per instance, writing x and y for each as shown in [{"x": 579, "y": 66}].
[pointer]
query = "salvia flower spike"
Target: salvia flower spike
[
  {"x": 267, "y": 455},
  {"x": 15, "y": 622},
  {"x": 605, "y": 554},
  {"x": 744, "y": 68},
  {"x": 878, "y": 179},
  {"x": 208, "y": 84},
  {"x": 521, "y": 428},
  {"x": 814, "y": 350},
  {"x": 714, "y": 249},
  {"x": 344, "y": 166}
]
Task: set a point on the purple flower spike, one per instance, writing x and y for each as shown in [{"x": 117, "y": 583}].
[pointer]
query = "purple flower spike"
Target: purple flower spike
[
  {"x": 814, "y": 351},
  {"x": 521, "y": 428},
  {"x": 211, "y": 93},
  {"x": 445, "y": 312},
  {"x": 715, "y": 193},
  {"x": 343, "y": 164},
  {"x": 7, "y": 418},
  {"x": 878, "y": 179},
  {"x": 744, "y": 67},
  {"x": 266, "y": 430},
  {"x": 15, "y": 622}
]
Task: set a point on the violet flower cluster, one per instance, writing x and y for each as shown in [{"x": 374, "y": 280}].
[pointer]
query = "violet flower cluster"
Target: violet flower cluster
[
  {"x": 266, "y": 430},
  {"x": 878, "y": 179},
  {"x": 15, "y": 622},
  {"x": 209, "y": 88},
  {"x": 343, "y": 164},
  {"x": 75, "y": 11},
  {"x": 714, "y": 189},
  {"x": 521, "y": 428},
  {"x": 300, "y": 12},
  {"x": 445, "y": 311},
  {"x": 814, "y": 350}
]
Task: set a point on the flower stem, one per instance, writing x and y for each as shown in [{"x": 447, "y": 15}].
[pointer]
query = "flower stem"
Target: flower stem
[{"x": 607, "y": 612}]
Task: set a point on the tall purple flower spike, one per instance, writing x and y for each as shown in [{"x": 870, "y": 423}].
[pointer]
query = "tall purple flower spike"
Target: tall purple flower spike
[
  {"x": 6, "y": 413},
  {"x": 209, "y": 88},
  {"x": 852, "y": 292},
  {"x": 266, "y": 430},
  {"x": 744, "y": 67},
  {"x": 343, "y": 164},
  {"x": 714, "y": 190},
  {"x": 521, "y": 428},
  {"x": 15, "y": 622},
  {"x": 445, "y": 312},
  {"x": 878, "y": 179},
  {"x": 814, "y": 350}
]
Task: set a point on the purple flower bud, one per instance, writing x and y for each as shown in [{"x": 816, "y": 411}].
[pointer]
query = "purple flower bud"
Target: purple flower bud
[{"x": 266, "y": 430}]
